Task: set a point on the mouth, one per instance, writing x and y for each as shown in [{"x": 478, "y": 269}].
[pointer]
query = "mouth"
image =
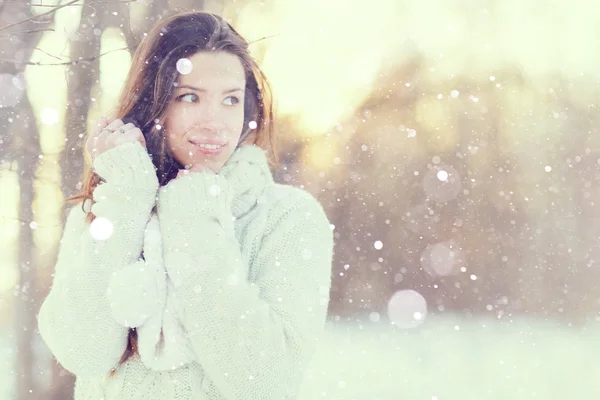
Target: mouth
[{"x": 210, "y": 149}]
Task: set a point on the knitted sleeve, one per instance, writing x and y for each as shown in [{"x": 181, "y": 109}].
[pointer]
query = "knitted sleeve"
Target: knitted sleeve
[
  {"x": 253, "y": 338},
  {"x": 75, "y": 318}
]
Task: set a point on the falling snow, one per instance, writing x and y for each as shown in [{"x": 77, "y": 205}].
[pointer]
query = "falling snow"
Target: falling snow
[
  {"x": 101, "y": 228},
  {"x": 184, "y": 66},
  {"x": 460, "y": 177}
]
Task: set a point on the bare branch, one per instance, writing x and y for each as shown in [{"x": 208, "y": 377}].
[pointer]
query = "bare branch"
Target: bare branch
[
  {"x": 48, "y": 54},
  {"x": 34, "y": 5},
  {"x": 38, "y": 16},
  {"x": 262, "y": 38},
  {"x": 30, "y": 31},
  {"x": 74, "y": 5},
  {"x": 56, "y": 8},
  {"x": 126, "y": 27},
  {"x": 74, "y": 62}
]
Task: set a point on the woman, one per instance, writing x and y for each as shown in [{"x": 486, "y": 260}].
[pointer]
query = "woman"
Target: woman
[{"x": 187, "y": 273}]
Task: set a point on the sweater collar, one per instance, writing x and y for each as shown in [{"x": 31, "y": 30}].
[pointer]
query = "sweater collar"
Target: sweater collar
[{"x": 247, "y": 170}]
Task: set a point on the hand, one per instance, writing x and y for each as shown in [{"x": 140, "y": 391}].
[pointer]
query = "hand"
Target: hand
[
  {"x": 193, "y": 168},
  {"x": 111, "y": 133}
]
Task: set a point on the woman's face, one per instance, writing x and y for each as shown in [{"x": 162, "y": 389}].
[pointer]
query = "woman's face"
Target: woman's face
[{"x": 205, "y": 118}]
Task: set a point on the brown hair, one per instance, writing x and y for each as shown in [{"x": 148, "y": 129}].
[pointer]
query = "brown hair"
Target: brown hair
[{"x": 148, "y": 88}]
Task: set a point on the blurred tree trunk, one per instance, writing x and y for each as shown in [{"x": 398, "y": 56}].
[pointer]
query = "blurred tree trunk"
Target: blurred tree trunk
[
  {"x": 134, "y": 34},
  {"x": 81, "y": 77},
  {"x": 20, "y": 142},
  {"x": 27, "y": 304}
]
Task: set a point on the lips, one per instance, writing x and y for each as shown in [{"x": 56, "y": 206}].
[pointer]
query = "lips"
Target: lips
[
  {"x": 207, "y": 140},
  {"x": 208, "y": 147}
]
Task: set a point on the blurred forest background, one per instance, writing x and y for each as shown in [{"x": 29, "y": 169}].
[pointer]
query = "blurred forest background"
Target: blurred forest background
[{"x": 454, "y": 145}]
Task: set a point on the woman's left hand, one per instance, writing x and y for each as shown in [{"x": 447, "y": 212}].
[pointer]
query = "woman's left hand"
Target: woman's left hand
[{"x": 193, "y": 168}]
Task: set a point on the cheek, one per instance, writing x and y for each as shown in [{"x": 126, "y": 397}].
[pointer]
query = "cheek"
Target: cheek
[
  {"x": 173, "y": 133},
  {"x": 176, "y": 123},
  {"x": 173, "y": 118},
  {"x": 236, "y": 122}
]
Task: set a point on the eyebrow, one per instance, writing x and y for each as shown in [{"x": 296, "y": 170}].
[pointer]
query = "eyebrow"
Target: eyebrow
[{"x": 204, "y": 90}]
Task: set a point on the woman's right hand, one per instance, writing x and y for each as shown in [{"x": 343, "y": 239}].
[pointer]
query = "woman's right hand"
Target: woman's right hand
[{"x": 111, "y": 133}]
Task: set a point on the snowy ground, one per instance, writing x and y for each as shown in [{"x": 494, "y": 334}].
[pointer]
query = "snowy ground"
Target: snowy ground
[
  {"x": 448, "y": 359},
  {"x": 444, "y": 359}
]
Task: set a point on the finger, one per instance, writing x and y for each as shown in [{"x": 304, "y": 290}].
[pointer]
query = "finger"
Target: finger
[
  {"x": 127, "y": 137},
  {"x": 200, "y": 168},
  {"x": 104, "y": 120},
  {"x": 100, "y": 124},
  {"x": 132, "y": 132},
  {"x": 126, "y": 127},
  {"x": 182, "y": 172},
  {"x": 142, "y": 139},
  {"x": 112, "y": 134},
  {"x": 91, "y": 141},
  {"x": 140, "y": 136},
  {"x": 92, "y": 146},
  {"x": 105, "y": 134},
  {"x": 114, "y": 125},
  {"x": 197, "y": 168}
]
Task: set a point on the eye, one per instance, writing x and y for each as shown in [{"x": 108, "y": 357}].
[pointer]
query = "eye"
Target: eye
[
  {"x": 231, "y": 100},
  {"x": 188, "y": 98}
]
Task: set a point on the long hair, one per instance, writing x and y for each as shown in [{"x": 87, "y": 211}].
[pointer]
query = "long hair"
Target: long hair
[{"x": 148, "y": 89}]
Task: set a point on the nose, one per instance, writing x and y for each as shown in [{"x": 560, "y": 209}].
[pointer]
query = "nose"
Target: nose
[{"x": 209, "y": 118}]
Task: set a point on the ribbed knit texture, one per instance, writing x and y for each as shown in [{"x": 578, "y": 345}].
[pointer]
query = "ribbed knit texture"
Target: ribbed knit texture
[{"x": 249, "y": 262}]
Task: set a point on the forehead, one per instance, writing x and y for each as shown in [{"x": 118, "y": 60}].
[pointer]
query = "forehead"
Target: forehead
[{"x": 212, "y": 69}]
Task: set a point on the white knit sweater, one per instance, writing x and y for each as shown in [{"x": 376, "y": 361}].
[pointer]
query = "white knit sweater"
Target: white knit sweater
[{"x": 228, "y": 302}]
